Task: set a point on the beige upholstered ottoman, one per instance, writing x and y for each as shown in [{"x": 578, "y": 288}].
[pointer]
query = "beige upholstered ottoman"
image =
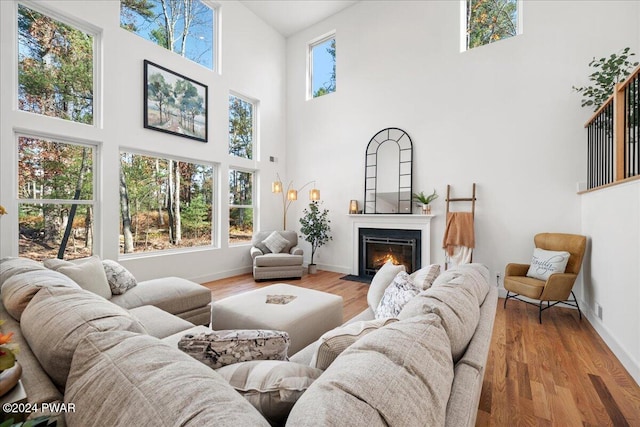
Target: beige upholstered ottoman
[{"x": 305, "y": 318}]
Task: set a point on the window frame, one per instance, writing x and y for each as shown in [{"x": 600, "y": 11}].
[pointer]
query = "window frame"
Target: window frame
[
  {"x": 463, "y": 24},
  {"x": 214, "y": 209},
  {"x": 255, "y": 136},
  {"x": 310, "y": 45},
  {"x": 253, "y": 206}
]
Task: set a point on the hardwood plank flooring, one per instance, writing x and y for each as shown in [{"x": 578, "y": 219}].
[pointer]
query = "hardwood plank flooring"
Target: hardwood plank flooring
[{"x": 559, "y": 373}]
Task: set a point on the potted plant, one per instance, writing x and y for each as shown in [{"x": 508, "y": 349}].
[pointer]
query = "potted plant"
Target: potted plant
[
  {"x": 315, "y": 229},
  {"x": 424, "y": 201}
]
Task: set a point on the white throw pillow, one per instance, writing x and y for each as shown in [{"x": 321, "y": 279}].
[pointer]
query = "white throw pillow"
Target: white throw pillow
[
  {"x": 424, "y": 277},
  {"x": 275, "y": 242},
  {"x": 334, "y": 342},
  {"x": 381, "y": 282},
  {"x": 399, "y": 292},
  {"x": 544, "y": 263},
  {"x": 86, "y": 272}
]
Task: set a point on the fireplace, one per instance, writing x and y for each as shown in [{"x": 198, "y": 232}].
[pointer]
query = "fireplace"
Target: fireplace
[{"x": 377, "y": 246}]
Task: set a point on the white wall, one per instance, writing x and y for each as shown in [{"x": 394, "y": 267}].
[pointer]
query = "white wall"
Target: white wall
[
  {"x": 253, "y": 58},
  {"x": 503, "y": 116},
  {"x": 611, "y": 219}
]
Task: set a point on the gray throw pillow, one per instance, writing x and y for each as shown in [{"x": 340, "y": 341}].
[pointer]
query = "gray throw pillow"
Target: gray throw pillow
[
  {"x": 275, "y": 242},
  {"x": 399, "y": 293},
  {"x": 221, "y": 348},
  {"x": 380, "y": 282},
  {"x": 119, "y": 278}
]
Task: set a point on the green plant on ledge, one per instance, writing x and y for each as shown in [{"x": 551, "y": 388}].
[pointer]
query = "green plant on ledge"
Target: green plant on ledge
[
  {"x": 315, "y": 227},
  {"x": 608, "y": 71},
  {"x": 425, "y": 200}
]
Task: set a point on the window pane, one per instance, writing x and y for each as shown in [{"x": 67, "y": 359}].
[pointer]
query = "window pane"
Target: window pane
[
  {"x": 490, "y": 20},
  {"x": 240, "y": 206},
  {"x": 55, "y": 68},
  {"x": 323, "y": 68},
  {"x": 44, "y": 226},
  {"x": 164, "y": 204},
  {"x": 188, "y": 29},
  {"x": 54, "y": 170},
  {"x": 240, "y": 127}
]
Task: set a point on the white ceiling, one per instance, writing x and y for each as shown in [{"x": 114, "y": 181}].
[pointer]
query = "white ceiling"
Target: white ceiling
[{"x": 290, "y": 16}]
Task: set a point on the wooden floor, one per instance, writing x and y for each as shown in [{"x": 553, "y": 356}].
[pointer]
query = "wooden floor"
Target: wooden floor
[{"x": 559, "y": 373}]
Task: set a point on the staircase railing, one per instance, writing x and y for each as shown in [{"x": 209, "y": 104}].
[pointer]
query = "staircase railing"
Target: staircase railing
[{"x": 613, "y": 136}]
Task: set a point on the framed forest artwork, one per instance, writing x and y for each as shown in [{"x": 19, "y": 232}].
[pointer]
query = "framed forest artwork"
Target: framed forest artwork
[{"x": 174, "y": 103}]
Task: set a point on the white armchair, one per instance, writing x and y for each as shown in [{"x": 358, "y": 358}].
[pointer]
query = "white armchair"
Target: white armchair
[{"x": 276, "y": 255}]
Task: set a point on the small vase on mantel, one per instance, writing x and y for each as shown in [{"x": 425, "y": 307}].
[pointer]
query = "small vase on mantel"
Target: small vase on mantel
[{"x": 426, "y": 209}]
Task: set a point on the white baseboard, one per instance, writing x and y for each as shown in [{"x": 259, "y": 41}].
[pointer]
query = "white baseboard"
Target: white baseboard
[{"x": 221, "y": 275}]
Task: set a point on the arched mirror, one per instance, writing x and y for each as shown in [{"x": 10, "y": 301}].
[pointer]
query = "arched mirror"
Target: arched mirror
[{"x": 388, "y": 168}]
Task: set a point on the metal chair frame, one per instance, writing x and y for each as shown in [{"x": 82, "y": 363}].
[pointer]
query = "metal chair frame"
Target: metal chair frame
[{"x": 572, "y": 303}]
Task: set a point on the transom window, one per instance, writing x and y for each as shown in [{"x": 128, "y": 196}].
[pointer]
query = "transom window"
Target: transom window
[
  {"x": 240, "y": 206},
  {"x": 487, "y": 21},
  {"x": 56, "y": 198},
  {"x": 164, "y": 203},
  {"x": 241, "y": 126},
  {"x": 322, "y": 66},
  {"x": 186, "y": 27}
]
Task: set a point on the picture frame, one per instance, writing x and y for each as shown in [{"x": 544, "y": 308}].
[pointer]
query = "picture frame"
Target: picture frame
[{"x": 174, "y": 103}]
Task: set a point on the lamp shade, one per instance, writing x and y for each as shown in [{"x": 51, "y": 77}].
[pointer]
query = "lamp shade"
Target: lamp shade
[
  {"x": 314, "y": 194},
  {"x": 292, "y": 195},
  {"x": 276, "y": 187}
]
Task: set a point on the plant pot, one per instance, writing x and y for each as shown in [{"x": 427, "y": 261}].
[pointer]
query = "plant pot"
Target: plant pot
[
  {"x": 426, "y": 209},
  {"x": 312, "y": 268}
]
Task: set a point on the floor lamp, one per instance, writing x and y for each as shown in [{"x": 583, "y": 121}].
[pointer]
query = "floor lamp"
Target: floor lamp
[{"x": 290, "y": 195}]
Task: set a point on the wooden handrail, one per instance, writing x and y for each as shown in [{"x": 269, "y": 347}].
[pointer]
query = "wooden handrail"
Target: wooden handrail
[
  {"x": 599, "y": 110},
  {"x": 619, "y": 87}
]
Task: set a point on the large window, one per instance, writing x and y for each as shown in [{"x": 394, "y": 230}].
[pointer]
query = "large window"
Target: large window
[
  {"x": 240, "y": 206},
  {"x": 322, "y": 66},
  {"x": 186, "y": 27},
  {"x": 241, "y": 127},
  {"x": 164, "y": 203},
  {"x": 55, "y": 68},
  {"x": 56, "y": 198},
  {"x": 487, "y": 21}
]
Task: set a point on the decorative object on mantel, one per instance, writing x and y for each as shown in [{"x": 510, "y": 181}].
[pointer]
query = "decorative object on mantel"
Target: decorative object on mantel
[
  {"x": 315, "y": 229},
  {"x": 290, "y": 195},
  {"x": 388, "y": 171},
  {"x": 459, "y": 234},
  {"x": 353, "y": 207},
  {"x": 425, "y": 201}
]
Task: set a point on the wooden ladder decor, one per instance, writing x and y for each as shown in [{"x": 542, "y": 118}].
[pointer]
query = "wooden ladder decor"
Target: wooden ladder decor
[{"x": 471, "y": 199}]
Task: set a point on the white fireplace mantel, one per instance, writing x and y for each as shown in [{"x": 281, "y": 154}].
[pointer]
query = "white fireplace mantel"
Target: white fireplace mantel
[{"x": 391, "y": 221}]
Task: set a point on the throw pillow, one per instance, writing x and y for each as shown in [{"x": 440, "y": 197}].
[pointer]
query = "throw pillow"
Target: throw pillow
[
  {"x": 381, "y": 282},
  {"x": 271, "y": 386},
  {"x": 86, "y": 272},
  {"x": 119, "y": 278},
  {"x": 424, "y": 277},
  {"x": 275, "y": 242},
  {"x": 544, "y": 263},
  {"x": 399, "y": 292},
  {"x": 334, "y": 342},
  {"x": 221, "y": 348}
]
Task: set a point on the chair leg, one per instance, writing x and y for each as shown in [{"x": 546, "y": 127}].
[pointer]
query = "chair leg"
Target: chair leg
[
  {"x": 505, "y": 300},
  {"x": 540, "y": 313},
  {"x": 577, "y": 305}
]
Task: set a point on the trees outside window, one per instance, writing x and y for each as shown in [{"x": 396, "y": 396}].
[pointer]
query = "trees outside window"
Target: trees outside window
[
  {"x": 55, "y": 68},
  {"x": 55, "y": 198},
  {"x": 240, "y": 206},
  {"x": 241, "y": 127},
  {"x": 185, "y": 27},
  {"x": 164, "y": 203},
  {"x": 488, "y": 21},
  {"x": 322, "y": 66}
]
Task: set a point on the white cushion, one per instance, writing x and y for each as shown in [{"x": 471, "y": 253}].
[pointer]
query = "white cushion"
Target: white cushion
[
  {"x": 424, "y": 277},
  {"x": 86, "y": 272},
  {"x": 399, "y": 292},
  {"x": 334, "y": 342},
  {"x": 275, "y": 242},
  {"x": 544, "y": 263},
  {"x": 380, "y": 282},
  {"x": 271, "y": 386}
]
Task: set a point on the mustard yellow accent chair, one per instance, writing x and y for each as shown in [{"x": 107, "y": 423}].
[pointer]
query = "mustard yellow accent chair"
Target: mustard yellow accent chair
[{"x": 558, "y": 287}]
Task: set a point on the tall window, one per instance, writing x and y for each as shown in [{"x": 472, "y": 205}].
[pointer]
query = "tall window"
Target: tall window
[
  {"x": 56, "y": 198},
  {"x": 322, "y": 66},
  {"x": 55, "y": 68},
  {"x": 487, "y": 21},
  {"x": 186, "y": 27},
  {"x": 240, "y": 206},
  {"x": 164, "y": 203},
  {"x": 241, "y": 127}
]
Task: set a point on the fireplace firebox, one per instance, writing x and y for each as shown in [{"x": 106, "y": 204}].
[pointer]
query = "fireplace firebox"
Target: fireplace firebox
[{"x": 377, "y": 246}]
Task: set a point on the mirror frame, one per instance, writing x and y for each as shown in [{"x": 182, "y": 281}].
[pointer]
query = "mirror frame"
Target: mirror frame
[{"x": 371, "y": 172}]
